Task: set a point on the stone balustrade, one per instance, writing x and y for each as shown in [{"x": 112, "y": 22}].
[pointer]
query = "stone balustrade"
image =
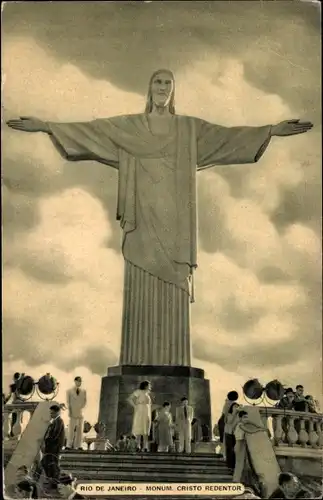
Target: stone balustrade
[
  {"x": 293, "y": 429},
  {"x": 24, "y": 411}
]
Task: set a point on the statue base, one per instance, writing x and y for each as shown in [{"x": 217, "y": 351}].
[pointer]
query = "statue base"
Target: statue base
[{"x": 169, "y": 383}]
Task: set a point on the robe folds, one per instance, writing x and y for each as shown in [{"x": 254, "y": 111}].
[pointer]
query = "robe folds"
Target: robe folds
[{"x": 157, "y": 210}]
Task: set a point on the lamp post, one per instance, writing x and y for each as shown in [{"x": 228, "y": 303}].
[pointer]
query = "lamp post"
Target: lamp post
[
  {"x": 46, "y": 388},
  {"x": 255, "y": 393},
  {"x": 24, "y": 389}
]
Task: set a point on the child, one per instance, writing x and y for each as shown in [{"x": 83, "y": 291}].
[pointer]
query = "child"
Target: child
[
  {"x": 121, "y": 443},
  {"x": 164, "y": 429},
  {"x": 132, "y": 444}
]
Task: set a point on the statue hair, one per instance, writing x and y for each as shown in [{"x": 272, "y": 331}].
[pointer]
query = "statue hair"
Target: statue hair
[{"x": 149, "y": 102}]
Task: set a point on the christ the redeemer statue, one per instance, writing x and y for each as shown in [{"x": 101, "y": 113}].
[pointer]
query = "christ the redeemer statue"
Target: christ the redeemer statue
[{"x": 157, "y": 154}]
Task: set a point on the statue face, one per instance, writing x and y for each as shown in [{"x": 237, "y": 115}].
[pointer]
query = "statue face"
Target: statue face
[{"x": 162, "y": 88}]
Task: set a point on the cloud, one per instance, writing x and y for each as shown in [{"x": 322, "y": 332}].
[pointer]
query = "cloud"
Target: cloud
[
  {"x": 76, "y": 314},
  {"x": 257, "y": 286},
  {"x": 178, "y": 35}
]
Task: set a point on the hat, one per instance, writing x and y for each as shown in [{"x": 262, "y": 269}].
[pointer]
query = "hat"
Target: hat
[{"x": 66, "y": 478}]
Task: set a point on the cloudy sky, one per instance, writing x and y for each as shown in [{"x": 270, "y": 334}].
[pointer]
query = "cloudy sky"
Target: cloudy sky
[{"x": 258, "y": 286}]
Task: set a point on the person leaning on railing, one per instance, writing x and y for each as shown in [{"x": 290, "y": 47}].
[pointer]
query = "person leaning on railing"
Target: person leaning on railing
[
  {"x": 312, "y": 405},
  {"x": 287, "y": 401}
]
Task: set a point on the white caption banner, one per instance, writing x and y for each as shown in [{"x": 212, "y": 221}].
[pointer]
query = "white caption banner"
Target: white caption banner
[{"x": 115, "y": 489}]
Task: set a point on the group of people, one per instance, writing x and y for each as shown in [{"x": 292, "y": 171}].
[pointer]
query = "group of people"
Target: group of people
[
  {"x": 76, "y": 401},
  {"x": 231, "y": 434},
  {"x": 232, "y": 414},
  {"x": 164, "y": 426},
  {"x": 45, "y": 475},
  {"x": 233, "y": 426},
  {"x": 289, "y": 487},
  {"x": 296, "y": 400},
  {"x": 160, "y": 429},
  {"x": 55, "y": 438},
  {"x": 28, "y": 485}
]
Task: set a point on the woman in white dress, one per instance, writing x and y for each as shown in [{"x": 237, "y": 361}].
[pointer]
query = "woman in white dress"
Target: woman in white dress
[{"x": 141, "y": 403}]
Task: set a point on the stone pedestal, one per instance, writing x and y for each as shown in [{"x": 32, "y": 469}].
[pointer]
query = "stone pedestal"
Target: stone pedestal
[{"x": 169, "y": 383}]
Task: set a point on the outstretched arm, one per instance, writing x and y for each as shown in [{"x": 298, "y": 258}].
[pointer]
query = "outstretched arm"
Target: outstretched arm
[
  {"x": 74, "y": 141},
  {"x": 217, "y": 145},
  {"x": 28, "y": 124},
  {"x": 290, "y": 127}
]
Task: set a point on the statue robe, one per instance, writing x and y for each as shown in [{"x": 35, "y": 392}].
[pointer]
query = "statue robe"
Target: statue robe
[{"x": 157, "y": 212}]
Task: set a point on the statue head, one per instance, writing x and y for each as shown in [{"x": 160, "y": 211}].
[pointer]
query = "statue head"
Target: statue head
[{"x": 161, "y": 91}]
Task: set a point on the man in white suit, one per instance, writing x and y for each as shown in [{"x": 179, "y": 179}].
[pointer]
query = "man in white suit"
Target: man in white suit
[
  {"x": 76, "y": 402},
  {"x": 184, "y": 417}
]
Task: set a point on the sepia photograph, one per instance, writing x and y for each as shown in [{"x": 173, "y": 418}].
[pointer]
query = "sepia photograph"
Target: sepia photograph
[{"x": 161, "y": 249}]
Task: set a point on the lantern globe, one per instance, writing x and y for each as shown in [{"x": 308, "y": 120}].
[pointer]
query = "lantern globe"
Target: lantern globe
[
  {"x": 274, "y": 390},
  {"x": 47, "y": 384},
  {"x": 253, "y": 389},
  {"x": 86, "y": 427},
  {"x": 25, "y": 385}
]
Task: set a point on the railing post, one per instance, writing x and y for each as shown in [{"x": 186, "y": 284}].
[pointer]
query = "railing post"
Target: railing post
[
  {"x": 278, "y": 429},
  {"x": 17, "y": 427},
  {"x": 302, "y": 435},
  {"x": 313, "y": 437},
  {"x": 6, "y": 424},
  {"x": 292, "y": 434},
  {"x": 319, "y": 432},
  {"x": 264, "y": 419}
]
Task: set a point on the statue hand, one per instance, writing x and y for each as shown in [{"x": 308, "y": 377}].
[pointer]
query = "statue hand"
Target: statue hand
[
  {"x": 291, "y": 127},
  {"x": 28, "y": 124}
]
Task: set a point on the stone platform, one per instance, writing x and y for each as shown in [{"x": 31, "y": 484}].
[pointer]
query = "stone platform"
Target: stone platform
[
  {"x": 169, "y": 383},
  {"x": 146, "y": 467}
]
